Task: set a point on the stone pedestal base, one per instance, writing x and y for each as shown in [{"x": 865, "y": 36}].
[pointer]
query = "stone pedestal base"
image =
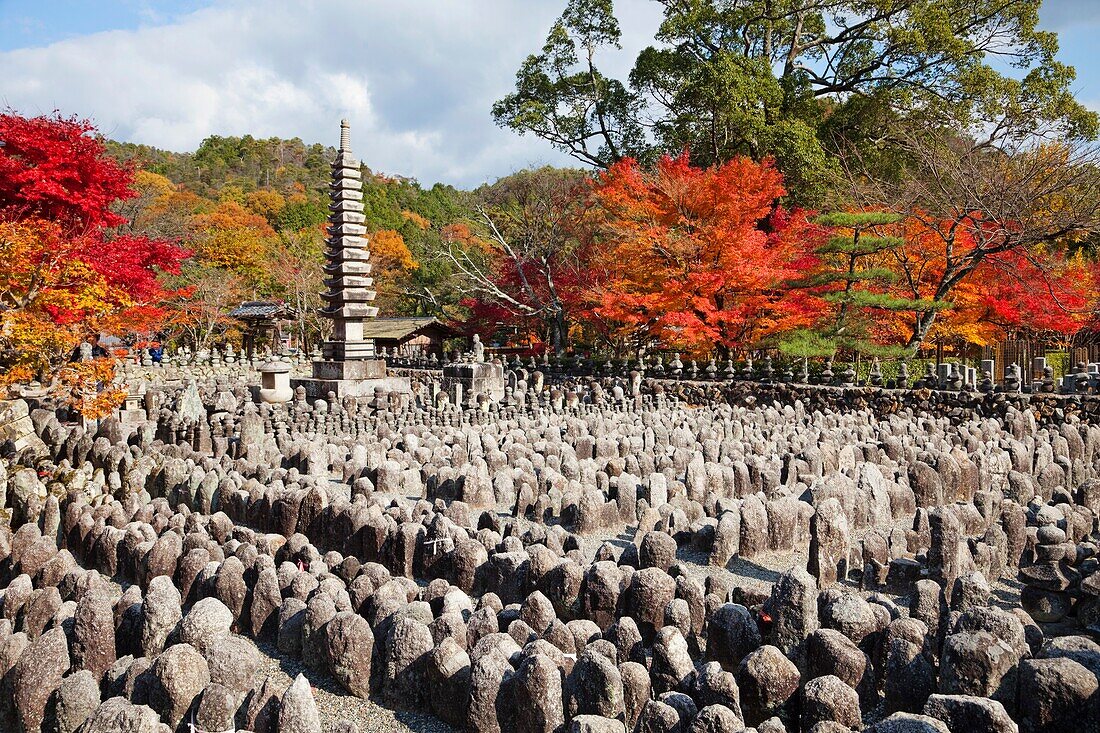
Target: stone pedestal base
[
  {"x": 355, "y": 369},
  {"x": 319, "y": 388},
  {"x": 132, "y": 416},
  {"x": 479, "y": 377},
  {"x": 354, "y": 378}
]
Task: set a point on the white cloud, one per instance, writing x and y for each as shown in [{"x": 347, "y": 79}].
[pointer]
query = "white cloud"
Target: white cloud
[
  {"x": 417, "y": 78},
  {"x": 1062, "y": 15}
]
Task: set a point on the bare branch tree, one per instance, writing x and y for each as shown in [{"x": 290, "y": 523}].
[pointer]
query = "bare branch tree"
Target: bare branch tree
[
  {"x": 301, "y": 277},
  {"x": 201, "y": 311},
  {"x": 523, "y": 250}
]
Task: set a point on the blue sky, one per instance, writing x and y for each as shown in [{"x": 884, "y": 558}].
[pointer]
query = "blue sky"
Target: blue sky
[
  {"x": 25, "y": 23},
  {"x": 416, "y": 77},
  {"x": 1077, "y": 23}
]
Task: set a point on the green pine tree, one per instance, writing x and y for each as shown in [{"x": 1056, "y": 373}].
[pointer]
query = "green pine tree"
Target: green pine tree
[{"x": 858, "y": 284}]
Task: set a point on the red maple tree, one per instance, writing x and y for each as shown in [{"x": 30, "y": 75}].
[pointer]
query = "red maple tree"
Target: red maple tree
[
  {"x": 701, "y": 257},
  {"x": 67, "y": 270},
  {"x": 51, "y": 168}
]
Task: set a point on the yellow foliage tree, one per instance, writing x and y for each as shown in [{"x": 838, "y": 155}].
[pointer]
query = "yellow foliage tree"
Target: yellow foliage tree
[
  {"x": 161, "y": 208},
  {"x": 266, "y": 203},
  {"x": 392, "y": 265},
  {"x": 236, "y": 239},
  {"x": 50, "y": 300},
  {"x": 390, "y": 254}
]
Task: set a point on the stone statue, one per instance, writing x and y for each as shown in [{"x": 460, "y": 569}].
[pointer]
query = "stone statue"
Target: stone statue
[
  {"x": 1081, "y": 378},
  {"x": 1047, "y": 383},
  {"x": 1012, "y": 381},
  {"x": 986, "y": 386},
  {"x": 478, "y": 349},
  {"x": 955, "y": 381},
  {"x": 875, "y": 377}
]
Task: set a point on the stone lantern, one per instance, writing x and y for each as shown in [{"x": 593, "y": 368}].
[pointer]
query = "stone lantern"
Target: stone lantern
[{"x": 275, "y": 382}]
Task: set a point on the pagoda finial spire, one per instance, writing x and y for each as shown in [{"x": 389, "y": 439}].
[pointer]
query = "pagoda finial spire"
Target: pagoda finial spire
[{"x": 345, "y": 136}]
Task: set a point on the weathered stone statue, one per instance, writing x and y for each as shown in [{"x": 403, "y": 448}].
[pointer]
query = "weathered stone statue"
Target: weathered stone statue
[
  {"x": 902, "y": 382},
  {"x": 1048, "y": 379},
  {"x": 875, "y": 375},
  {"x": 476, "y": 376},
  {"x": 1081, "y": 378},
  {"x": 1012, "y": 381}
]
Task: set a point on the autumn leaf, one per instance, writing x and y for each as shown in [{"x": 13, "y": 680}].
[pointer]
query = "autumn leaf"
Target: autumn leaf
[
  {"x": 69, "y": 269},
  {"x": 699, "y": 258}
]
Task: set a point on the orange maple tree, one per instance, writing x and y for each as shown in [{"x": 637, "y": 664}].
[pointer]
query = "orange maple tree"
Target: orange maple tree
[
  {"x": 234, "y": 238},
  {"x": 700, "y": 257},
  {"x": 390, "y": 255},
  {"x": 1018, "y": 291}
]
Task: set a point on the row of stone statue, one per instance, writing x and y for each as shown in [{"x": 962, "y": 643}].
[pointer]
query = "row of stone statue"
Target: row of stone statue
[{"x": 1082, "y": 379}]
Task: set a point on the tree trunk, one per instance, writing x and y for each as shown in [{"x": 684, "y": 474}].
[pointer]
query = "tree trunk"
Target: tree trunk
[
  {"x": 559, "y": 332},
  {"x": 920, "y": 330}
]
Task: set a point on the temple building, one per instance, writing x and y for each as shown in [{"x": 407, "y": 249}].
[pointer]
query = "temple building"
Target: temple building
[
  {"x": 264, "y": 325},
  {"x": 412, "y": 335}
]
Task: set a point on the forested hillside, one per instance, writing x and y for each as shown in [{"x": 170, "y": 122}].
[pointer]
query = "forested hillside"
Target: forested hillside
[
  {"x": 613, "y": 261},
  {"x": 253, "y": 212}
]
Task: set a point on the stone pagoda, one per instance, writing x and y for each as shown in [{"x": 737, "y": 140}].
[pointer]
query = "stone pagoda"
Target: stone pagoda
[
  {"x": 348, "y": 299},
  {"x": 348, "y": 364}
]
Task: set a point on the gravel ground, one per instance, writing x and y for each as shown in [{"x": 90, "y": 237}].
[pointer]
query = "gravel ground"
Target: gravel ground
[{"x": 335, "y": 705}]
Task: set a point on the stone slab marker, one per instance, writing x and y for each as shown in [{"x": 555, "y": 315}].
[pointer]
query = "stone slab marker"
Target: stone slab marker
[{"x": 830, "y": 543}]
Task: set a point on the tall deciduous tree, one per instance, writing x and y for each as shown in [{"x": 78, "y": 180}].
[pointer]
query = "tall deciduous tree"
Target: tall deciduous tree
[
  {"x": 972, "y": 202},
  {"x": 520, "y": 260},
  {"x": 1044, "y": 296},
  {"x": 51, "y": 168},
  {"x": 300, "y": 279},
  {"x": 205, "y": 294},
  {"x": 392, "y": 266},
  {"x": 563, "y": 97},
  {"x": 794, "y": 79}
]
